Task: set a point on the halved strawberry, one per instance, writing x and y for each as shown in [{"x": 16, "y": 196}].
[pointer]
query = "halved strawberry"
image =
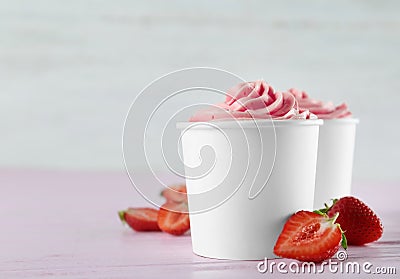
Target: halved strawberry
[
  {"x": 175, "y": 193},
  {"x": 308, "y": 236},
  {"x": 140, "y": 219},
  {"x": 173, "y": 218},
  {"x": 359, "y": 222}
]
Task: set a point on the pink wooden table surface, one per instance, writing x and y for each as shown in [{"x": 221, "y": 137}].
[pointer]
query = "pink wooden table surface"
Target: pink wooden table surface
[{"x": 65, "y": 225}]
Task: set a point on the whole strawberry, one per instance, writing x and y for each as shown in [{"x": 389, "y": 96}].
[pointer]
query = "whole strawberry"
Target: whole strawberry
[{"x": 360, "y": 224}]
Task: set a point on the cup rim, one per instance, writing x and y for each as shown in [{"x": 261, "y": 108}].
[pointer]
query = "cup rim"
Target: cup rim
[
  {"x": 341, "y": 121},
  {"x": 249, "y": 123}
]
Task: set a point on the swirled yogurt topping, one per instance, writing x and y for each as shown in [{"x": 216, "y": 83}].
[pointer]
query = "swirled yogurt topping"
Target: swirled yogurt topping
[
  {"x": 322, "y": 110},
  {"x": 254, "y": 100}
]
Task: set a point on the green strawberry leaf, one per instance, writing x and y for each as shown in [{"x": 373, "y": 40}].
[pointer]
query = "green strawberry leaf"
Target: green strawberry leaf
[
  {"x": 121, "y": 215},
  {"x": 344, "y": 241},
  {"x": 319, "y": 212}
]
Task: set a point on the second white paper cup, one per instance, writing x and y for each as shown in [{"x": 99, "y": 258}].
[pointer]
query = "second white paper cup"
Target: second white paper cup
[
  {"x": 335, "y": 160},
  {"x": 244, "y": 179}
]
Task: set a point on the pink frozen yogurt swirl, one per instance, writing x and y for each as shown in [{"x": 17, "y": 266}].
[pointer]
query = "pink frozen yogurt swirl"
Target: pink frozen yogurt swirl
[
  {"x": 256, "y": 100},
  {"x": 322, "y": 110}
]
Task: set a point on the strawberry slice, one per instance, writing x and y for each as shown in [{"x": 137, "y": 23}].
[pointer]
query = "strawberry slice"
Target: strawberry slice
[
  {"x": 173, "y": 218},
  {"x": 140, "y": 219},
  {"x": 358, "y": 220},
  {"x": 175, "y": 193},
  {"x": 308, "y": 236}
]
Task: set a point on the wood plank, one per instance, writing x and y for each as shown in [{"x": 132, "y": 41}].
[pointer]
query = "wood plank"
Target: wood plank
[{"x": 65, "y": 224}]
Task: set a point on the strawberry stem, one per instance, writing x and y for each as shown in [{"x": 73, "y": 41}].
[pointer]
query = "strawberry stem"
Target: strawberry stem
[
  {"x": 327, "y": 208},
  {"x": 121, "y": 215}
]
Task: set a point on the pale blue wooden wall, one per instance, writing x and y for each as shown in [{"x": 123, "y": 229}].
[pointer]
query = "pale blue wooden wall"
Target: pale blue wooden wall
[{"x": 69, "y": 69}]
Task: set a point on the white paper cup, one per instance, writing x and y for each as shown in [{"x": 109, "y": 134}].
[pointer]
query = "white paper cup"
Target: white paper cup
[
  {"x": 234, "y": 160},
  {"x": 335, "y": 160}
]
